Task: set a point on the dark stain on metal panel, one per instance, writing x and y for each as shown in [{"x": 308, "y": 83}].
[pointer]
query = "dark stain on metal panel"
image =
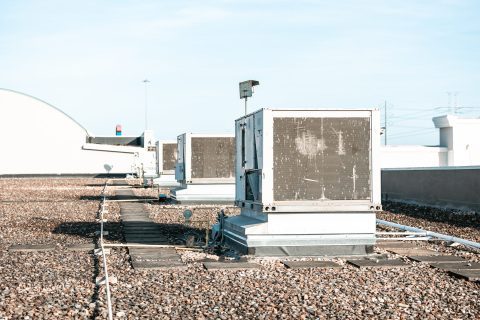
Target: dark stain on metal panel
[
  {"x": 169, "y": 156},
  {"x": 213, "y": 157},
  {"x": 321, "y": 159}
]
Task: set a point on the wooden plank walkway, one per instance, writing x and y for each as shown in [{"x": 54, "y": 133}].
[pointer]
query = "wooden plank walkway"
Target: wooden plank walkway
[{"x": 139, "y": 229}]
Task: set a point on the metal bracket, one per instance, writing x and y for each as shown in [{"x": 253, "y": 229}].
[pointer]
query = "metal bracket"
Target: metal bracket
[
  {"x": 98, "y": 251},
  {"x": 100, "y": 281}
]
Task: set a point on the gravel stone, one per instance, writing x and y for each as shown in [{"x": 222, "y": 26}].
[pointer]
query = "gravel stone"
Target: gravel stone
[{"x": 60, "y": 284}]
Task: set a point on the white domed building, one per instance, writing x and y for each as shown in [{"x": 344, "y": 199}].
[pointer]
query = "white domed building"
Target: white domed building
[{"x": 40, "y": 139}]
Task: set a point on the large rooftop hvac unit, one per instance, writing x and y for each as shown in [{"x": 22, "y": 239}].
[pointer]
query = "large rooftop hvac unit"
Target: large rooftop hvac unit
[
  {"x": 307, "y": 182},
  {"x": 205, "y": 168},
  {"x": 166, "y": 159}
]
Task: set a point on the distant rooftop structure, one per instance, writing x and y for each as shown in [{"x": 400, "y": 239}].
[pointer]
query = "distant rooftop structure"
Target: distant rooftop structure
[
  {"x": 40, "y": 139},
  {"x": 458, "y": 145}
]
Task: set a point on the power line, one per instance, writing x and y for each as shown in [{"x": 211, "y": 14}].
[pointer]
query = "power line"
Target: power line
[{"x": 412, "y": 133}]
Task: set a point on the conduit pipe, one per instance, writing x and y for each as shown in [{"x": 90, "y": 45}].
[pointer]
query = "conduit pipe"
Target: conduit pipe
[
  {"x": 441, "y": 236},
  {"x": 104, "y": 258}
]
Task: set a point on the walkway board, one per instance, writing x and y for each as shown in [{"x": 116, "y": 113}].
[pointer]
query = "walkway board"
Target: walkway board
[
  {"x": 396, "y": 244},
  {"x": 413, "y": 251},
  {"x": 385, "y": 264},
  {"x": 212, "y": 266},
  {"x": 81, "y": 247},
  {"x": 310, "y": 264},
  {"x": 437, "y": 259},
  {"x": 456, "y": 266},
  {"x": 470, "y": 275},
  {"x": 32, "y": 247},
  {"x": 158, "y": 265},
  {"x": 139, "y": 229}
]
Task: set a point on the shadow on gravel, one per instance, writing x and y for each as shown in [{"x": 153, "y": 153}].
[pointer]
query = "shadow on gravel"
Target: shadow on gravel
[
  {"x": 96, "y": 292},
  {"x": 100, "y": 184},
  {"x": 88, "y": 229},
  {"x": 173, "y": 233},
  {"x": 451, "y": 217}
]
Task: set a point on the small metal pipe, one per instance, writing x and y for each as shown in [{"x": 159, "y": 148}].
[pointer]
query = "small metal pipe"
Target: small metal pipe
[
  {"x": 405, "y": 239},
  {"x": 113, "y": 245},
  {"x": 441, "y": 236},
  {"x": 125, "y": 245},
  {"x": 402, "y": 233},
  {"x": 104, "y": 258}
]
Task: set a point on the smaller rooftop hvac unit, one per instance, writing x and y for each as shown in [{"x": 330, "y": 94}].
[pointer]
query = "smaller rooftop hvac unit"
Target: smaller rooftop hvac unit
[
  {"x": 166, "y": 159},
  {"x": 148, "y": 158},
  {"x": 307, "y": 182},
  {"x": 205, "y": 168}
]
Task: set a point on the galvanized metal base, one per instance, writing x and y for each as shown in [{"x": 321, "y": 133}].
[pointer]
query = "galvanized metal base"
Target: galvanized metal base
[
  {"x": 220, "y": 193},
  {"x": 301, "y": 234},
  {"x": 166, "y": 181}
]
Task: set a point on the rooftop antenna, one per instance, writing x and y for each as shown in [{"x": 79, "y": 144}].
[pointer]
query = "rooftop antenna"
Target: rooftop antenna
[
  {"x": 385, "y": 119},
  {"x": 449, "y": 93},
  {"x": 246, "y": 90},
  {"x": 146, "y": 81}
]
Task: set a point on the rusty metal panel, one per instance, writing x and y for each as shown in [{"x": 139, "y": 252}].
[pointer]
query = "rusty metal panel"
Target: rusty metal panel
[
  {"x": 321, "y": 159},
  {"x": 213, "y": 157},
  {"x": 169, "y": 156}
]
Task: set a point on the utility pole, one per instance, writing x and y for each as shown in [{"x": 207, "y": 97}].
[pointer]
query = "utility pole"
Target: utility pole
[
  {"x": 449, "y": 101},
  {"x": 455, "y": 105},
  {"x": 146, "y": 81},
  {"x": 385, "y": 120}
]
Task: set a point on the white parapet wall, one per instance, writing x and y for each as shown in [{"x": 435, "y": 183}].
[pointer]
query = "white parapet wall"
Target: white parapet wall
[{"x": 413, "y": 156}]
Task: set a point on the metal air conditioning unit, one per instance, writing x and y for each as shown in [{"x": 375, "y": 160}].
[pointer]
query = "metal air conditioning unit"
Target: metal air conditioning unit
[
  {"x": 205, "y": 168},
  {"x": 307, "y": 182},
  {"x": 166, "y": 159}
]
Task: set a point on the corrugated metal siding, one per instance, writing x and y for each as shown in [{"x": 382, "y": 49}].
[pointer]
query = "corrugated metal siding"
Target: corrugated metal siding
[
  {"x": 213, "y": 157},
  {"x": 321, "y": 159},
  {"x": 169, "y": 156}
]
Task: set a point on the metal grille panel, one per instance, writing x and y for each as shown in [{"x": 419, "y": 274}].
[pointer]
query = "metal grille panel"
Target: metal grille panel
[
  {"x": 213, "y": 157},
  {"x": 169, "y": 156},
  {"x": 321, "y": 159}
]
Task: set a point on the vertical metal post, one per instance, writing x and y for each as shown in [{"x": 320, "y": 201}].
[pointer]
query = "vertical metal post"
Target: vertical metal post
[
  {"x": 245, "y": 105},
  {"x": 455, "y": 105},
  {"x": 385, "y": 119},
  {"x": 449, "y": 101},
  {"x": 146, "y": 81}
]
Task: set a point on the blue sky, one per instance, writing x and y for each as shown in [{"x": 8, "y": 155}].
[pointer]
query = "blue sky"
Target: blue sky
[{"x": 89, "y": 58}]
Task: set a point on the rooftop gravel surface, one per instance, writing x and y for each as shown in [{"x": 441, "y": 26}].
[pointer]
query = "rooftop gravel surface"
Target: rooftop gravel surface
[{"x": 60, "y": 284}]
